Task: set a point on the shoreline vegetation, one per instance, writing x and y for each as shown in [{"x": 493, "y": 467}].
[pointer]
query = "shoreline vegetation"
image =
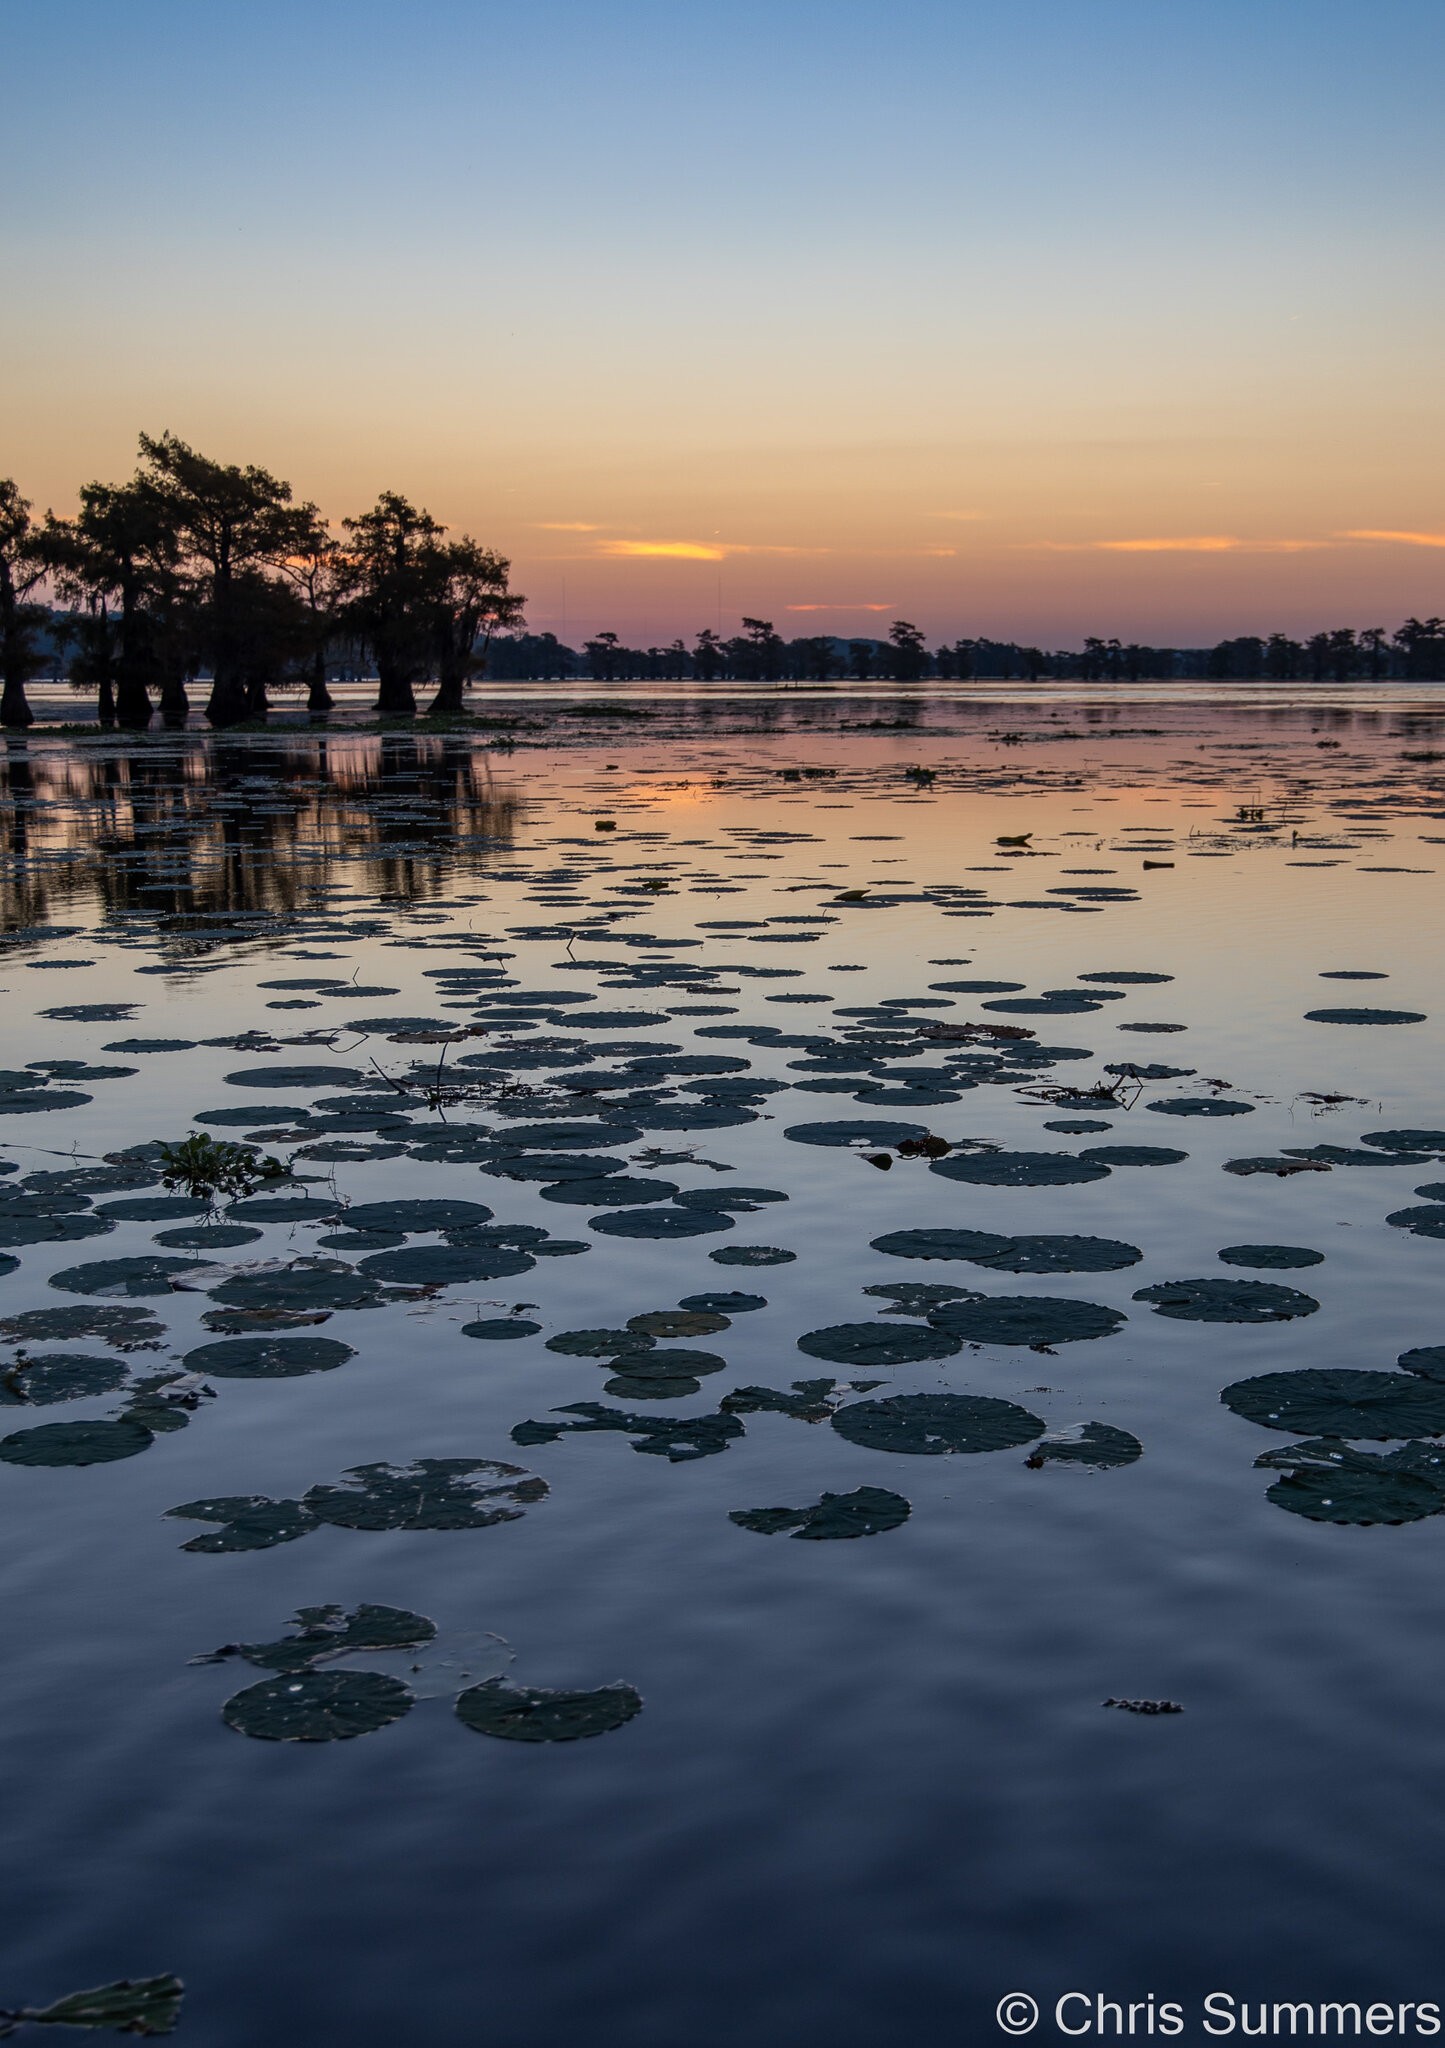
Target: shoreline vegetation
[{"x": 202, "y": 575}]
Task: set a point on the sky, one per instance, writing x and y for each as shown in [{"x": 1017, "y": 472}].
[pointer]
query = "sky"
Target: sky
[{"x": 1028, "y": 321}]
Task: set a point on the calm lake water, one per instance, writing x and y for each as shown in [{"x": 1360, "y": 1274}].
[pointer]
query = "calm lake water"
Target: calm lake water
[{"x": 872, "y": 1785}]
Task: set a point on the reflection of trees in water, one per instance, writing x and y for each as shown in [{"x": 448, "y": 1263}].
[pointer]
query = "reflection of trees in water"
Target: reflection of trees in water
[{"x": 236, "y": 826}]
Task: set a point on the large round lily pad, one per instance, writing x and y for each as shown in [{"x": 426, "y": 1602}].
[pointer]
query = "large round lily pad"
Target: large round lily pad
[
  {"x": 297, "y": 1077},
  {"x": 752, "y": 1255},
  {"x": 1042, "y": 1254},
  {"x": 860, "y": 1132},
  {"x": 941, "y": 1244},
  {"x": 123, "y": 1327},
  {"x": 877, "y": 1344},
  {"x": 1200, "y": 1105},
  {"x": 493, "y": 1329},
  {"x": 933, "y": 1425},
  {"x": 135, "y": 1279},
  {"x": 46, "y": 1377},
  {"x": 75, "y": 1443},
  {"x": 531, "y": 1713},
  {"x": 1227, "y": 1301},
  {"x": 1024, "y": 1319},
  {"x": 267, "y": 1358},
  {"x": 416, "y": 1216},
  {"x": 663, "y": 1224},
  {"x": 1341, "y": 1403},
  {"x": 866, "y": 1511},
  {"x": 1265, "y": 1257},
  {"x": 304, "y": 1289},
  {"x": 1364, "y": 1016},
  {"x": 1330, "y": 1481},
  {"x": 1426, "y": 1221},
  {"x": 1133, "y": 1155},
  {"x": 1018, "y": 1169},
  {"x": 445, "y": 1265},
  {"x": 612, "y": 1191},
  {"x": 317, "y": 1706}
]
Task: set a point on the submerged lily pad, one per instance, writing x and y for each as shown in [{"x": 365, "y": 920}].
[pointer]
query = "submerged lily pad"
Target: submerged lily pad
[
  {"x": 935, "y": 1425},
  {"x": 1329, "y": 1481},
  {"x": 532, "y": 1713},
  {"x": 431, "y": 1493},
  {"x": 1024, "y": 1319},
  {"x": 1341, "y": 1403},
  {"x": 268, "y": 1358},
  {"x": 75, "y": 1443},
  {"x": 1090, "y": 1443},
  {"x": 1280, "y": 1257},
  {"x": 866, "y": 1511},
  {"x": 317, "y": 1706},
  {"x": 1227, "y": 1301},
  {"x": 249, "y": 1521},
  {"x": 877, "y": 1344},
  {"x": 1018, "y": 1169}
]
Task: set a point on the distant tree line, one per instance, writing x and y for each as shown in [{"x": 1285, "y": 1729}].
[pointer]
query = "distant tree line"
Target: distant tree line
[{"x": 198, "y": 569}]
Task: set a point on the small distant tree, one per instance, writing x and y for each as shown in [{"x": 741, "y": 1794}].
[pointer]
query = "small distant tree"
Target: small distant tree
[
  {"x": 1283, "y": 658},
  {"x": 707, "y": 656},
  {"x": 602, "y": 656},
  {"x": 22, "y": 570},
  {"x": 1421, "y": 643},
  {"x": 860, "y": 659},
  {"x": 1375, "y": 652},
  {"x": 766, "y": 648},
  {"x": 909, "y": 657},
  {"x": 469, "y": 600}
]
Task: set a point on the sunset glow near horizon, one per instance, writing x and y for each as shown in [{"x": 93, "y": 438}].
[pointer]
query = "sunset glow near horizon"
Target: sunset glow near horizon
[{"x": 1071, "y": 317}]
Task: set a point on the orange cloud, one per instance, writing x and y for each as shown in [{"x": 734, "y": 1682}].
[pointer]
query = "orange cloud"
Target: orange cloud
[
  {"x": 1190, "y": 544},
  {"x": 1201, "y": 544},
  {"x": 838, "y": 607},
  {"x": 670, "y": 550},
  {"x": 1406, "y": 540},
  {"x": 564, "y": 526}
]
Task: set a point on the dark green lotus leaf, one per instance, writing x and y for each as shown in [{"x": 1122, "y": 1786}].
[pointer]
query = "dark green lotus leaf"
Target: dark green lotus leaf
[
  {"x": 1024, "y": 1319},
  {"x": 569, "y": 1137},
  {"x": 866, "y": 1511},
  {"x": 598, "y": 1343},
  {"x": 531, "y": 1713},
  {"x": 876, "y": 1344},
  {"x": 667, "y": 1362},
  {"x": 1341, "y": 1403},
  {"x": 677, "y": 1322},
  {"x": 618, "y": 1190},
  {"x": 617, "y": 1020},
  {"x": 25, "y": 1101},
  {"x": 1227, "y": 1301},
  {"x": 297, "y": 1077},
  {"x": 752, "y": 1255},
  {"x": 1329, "y": 1481},
  {"x": 431, "y": 1493},
  {"x": 415, "y": 1216},
  {"x": 1063, "y": 1004},
  {"x": 724, "y": 1302},
  {"x": 941, "y": 1244},
  {"x": 1125, "y": 978},
  {"x": 934, "y": 1425},
  {"x": 916, "y": 1297},
  {"x": 322, "y": 1634},
  {"x": 744, "y": 1200},
  {"x": 1364, "y": 1016},
  {"x": 91, "y": 1180},
  {"x": 1133, "y": 1155},
  {"x": 385, "y": 1025},
  {"x": 977, "y": 988},
  {"x": 361, "y": 1240},
  {"x": 133, "y": 2005},
  {"x": 445, "y": 1265},
  {"x": 1061, "y": 1255},
  {"x": 1432, "y": 1191},
  {"x": 1092, "y": 1443},
  {"x": 663, "y": 1436},
  {"x": 35, "y": 1226},
  {"x": 1281, "y": 1167},
  {"x": 43, "y": 1378},
  {"x": 1200, "y": 1105},
  {"x": 75, "y": 1443},
  {"x": 1270, "y": 1257},
  {"x": 1405, "y": 1141},
  {"x": 302, "y": 1289},
  {"x": 499, "y": 1328},
  {"x": 248, "y": 1118},
  {"x": 553, "y": 1167},
  {"x": 860, "y": 1132},
  {"x": 317, "y": 1706},
  {"x": 1423, "y": 1222},
  {"x": 151, "y": 1045},
  {"x": 301, "y": 1208},
  {"x": 153, "y": 1208},
  {"x": 1018, "y": 1169},
  {"x": 1427, "y": 1361},
  {"x": 249, "y": 1521},
  {"x": 663, "y": 1224},
  {"x": 207, "y": 1237},
  {"x": 135, "y": 1279},
  {"x": 1346, "y": 1155},
  {"x": 809, "y": 1401},
  {"x": 267, "y": 1358},
  {"x": 125, "y": 1328},
  {"x": 689, "y": 1116}
]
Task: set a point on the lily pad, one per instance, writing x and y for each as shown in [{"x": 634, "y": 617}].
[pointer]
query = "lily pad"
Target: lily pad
[
  {"x": 1427, "y": 1360},
  {"x": 531, "y": 1713},
  {"x": 752, "y": 1255},
  {"x": 1341, "y": 1403},
  {"x": 1036, "y": 1319},
  {"x": 124, "y": 1327},
  {"x": 75, "y": 1443},
  {"x": 431, "y": 1493},
  {"x": 1405, "y": 1141},
  {"x": 1364, "y": 1016},
  {"x": 1200, "y": 1105},
  {"x": 317, "y": 1706},
  {"x": 598, "y": 1343},
  {"x": 415, "y": 1216},
  {"x": 866, "y": 1511},
  {"x": 494, "y": 1329},
  {"x": 724, "y": 1302},
  {"x": 941, "y": 1244},
  {"x": 663, "y": 1224},
  {"x": 677, "y": 1322},
  {"x": 207, "y": 1237},
  {"x": 304, "y": 1289},
  {"x": 1277, "y": 1257},
  {"x": 663, "y": 1436},
  {"x": 1133, "y": 1155},
  {"x": 133, "y": 2005},
  {"x": 1227, "y": 1301},
  {"x": 1330, "y": 1481},
  {"x": 1090, "y": 1443},
  {"x": 877, "y": 1344},
  {"x": 50, "y": 1376},
  {"x": 862, "y": 1132},
  {"x": 297, "y": 1077},
  {"x": 267, "y": 1358},
  {"x": 135, "y": 1279},
  {"x": 1428, "y": 1221},
  {"x": 249, "y": 1521},
  {"x": 1018, "y": 1169},
  {"x": 618, "y": 1190},
  {"x": 1060, "y": 1255},
  {"x": 936, "y": 1425},
  {"x": 445, "y": 1265}
]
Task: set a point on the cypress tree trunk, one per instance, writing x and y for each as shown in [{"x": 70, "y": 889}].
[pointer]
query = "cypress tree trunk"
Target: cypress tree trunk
[
  {"x": 226, "y": 704},
  {"x": 319, "y": 698},
  {"x": 105, "y": 703},
  {"x": 132, "y": 705},
  {"x": 450, "y": 699},
  {"x": 14, "y": 708},
  {"x": 395, "y": 697},
  {"x": 175, "y": 704}
]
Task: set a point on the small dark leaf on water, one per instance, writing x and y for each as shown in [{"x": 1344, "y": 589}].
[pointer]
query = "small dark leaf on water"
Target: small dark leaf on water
[
  {"x": 1092, "y": 1443},
  {"x": 148, "y": 2006},
  {"x": 1280, "y": 1257},
  {"x": 317, "y": 1706},
  {"x": 866, "y": 1511},
  {"x": 75, "y": 1443},
  {"x": 1024, "y": 1319},
  {"x": 530, "y": 1713},
  {"x": 248, "y": 1522},
  {"x": 1329, "y": 1481},
  {"x": 877, "y": 1344},
  {"x": 268, "y": 1358},
  {"x": 1227, "y": 1301},
  {"x": 933, "y": 1425}
]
